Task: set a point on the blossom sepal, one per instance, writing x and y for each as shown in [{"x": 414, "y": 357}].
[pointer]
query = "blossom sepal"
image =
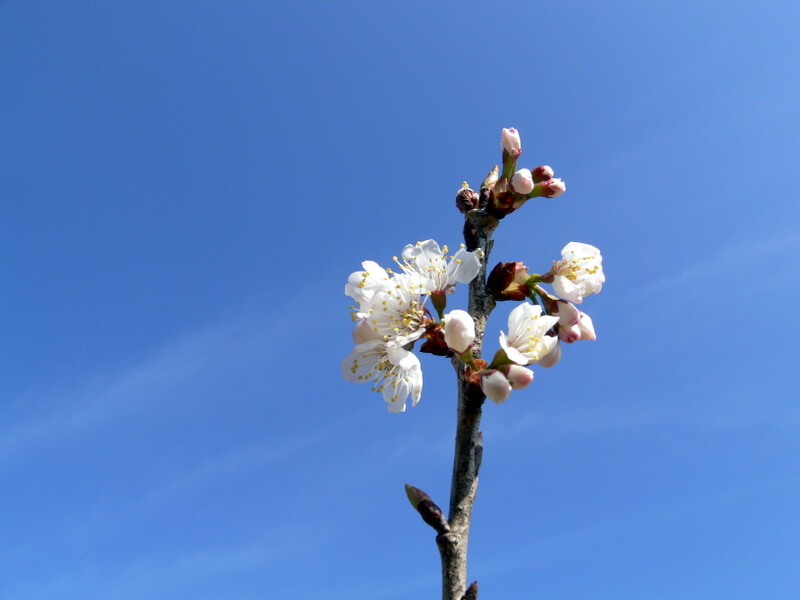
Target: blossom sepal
[
  {"x": 434, "y": 341},
  {"x": 509, "y": 281}
]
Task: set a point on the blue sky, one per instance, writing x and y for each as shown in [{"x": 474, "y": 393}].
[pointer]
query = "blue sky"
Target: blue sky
[{"x": 186, "y": 187}]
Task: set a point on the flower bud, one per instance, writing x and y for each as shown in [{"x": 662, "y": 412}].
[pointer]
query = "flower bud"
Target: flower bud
[
  {"x": 519, "y": 377},
  {"x": 495, "y": 385},
  {"x": 554, "y": 187},
  {"x": 566, "y": 312},
  {"x": 587, "y": 328},
  {"x": 542, "y": 173},
  {"x": 507, "y": 281},
  {"x": 551, "y": 358},
  {"x": 549, "y": 189},
  {"x": 522, "y": 182},
  {"x": 511, "y": 142},
  {"x": 466, "y": 199},
  {"x": 569, "y": 333},
  {"x": 459, "y": 330}
]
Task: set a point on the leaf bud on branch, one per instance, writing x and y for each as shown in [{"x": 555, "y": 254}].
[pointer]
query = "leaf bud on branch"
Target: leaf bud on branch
[{"x": 427, "y": 509}]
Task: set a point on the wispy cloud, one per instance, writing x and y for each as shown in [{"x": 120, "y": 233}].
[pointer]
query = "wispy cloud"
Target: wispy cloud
[
  {"x": 773, "y": 259},
  {"x": 63, "y": 414}
]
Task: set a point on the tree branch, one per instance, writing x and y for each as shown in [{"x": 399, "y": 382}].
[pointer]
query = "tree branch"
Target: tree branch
[{"x": 452, "y": 544}]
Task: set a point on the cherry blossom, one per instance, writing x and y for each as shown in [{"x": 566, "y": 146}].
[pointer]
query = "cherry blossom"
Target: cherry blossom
[
  {"x": 431, "y": 263},
  {"x": 526, "y": 342},
  {"x": 396, "y": 373},
  {"x": 579, "y": 273}
]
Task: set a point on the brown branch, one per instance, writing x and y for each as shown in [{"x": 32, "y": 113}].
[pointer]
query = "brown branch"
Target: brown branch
[{"x": 452, "y": 544}]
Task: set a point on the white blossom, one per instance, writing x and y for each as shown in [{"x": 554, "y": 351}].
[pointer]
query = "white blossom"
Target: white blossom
[
  {"x": 396, "y": 373},
  {"x": 526, "y": 342},
  {"x": 579, "y": 273},
  {"x": 459, "y": 330},
  {"x": 396, "y": 310},
  {"x": 430, "y": 262}
]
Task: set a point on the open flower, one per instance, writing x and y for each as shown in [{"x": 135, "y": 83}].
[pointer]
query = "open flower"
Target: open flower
[
  {"x": 396, "y": 310},
  {"x": 396, "y": 373},
  {"x": 579, "y": 273},
  {"x": 526, "y": 342},
  {"x": 431, "y": 263}
]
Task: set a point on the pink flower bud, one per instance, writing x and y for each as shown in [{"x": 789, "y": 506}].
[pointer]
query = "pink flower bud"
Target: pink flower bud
[
  {"x": 551, "y": 358},
  {"x": 511, "y": 142},
  {"x": 569, "y": 333},
  {"x": 522, "y": 182},
  {"x": 566, "y": 312},
  {"x": 519, "y": 377},
  {"x": 495, "y": 385},
  {"x": 587, "y": 328},
  {"x": 459, "y": 330},
  {"x": 542, "y": 173},
  {"x": 553, "y": 187}
]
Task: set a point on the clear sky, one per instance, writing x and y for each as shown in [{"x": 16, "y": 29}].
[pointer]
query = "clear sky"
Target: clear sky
[{"x": 185, "y": 187}]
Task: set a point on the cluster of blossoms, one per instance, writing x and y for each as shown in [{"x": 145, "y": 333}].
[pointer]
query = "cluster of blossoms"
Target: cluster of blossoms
[
  {"x": 391, "y": 313},
  {"x": 535, "y": 331}
]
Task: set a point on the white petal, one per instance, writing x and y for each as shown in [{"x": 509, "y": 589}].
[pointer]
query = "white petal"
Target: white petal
[
  {"x": 566, "y": 289},
  {"x": 464, "y": 266},
  {"x": 357, "y": 365}
]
